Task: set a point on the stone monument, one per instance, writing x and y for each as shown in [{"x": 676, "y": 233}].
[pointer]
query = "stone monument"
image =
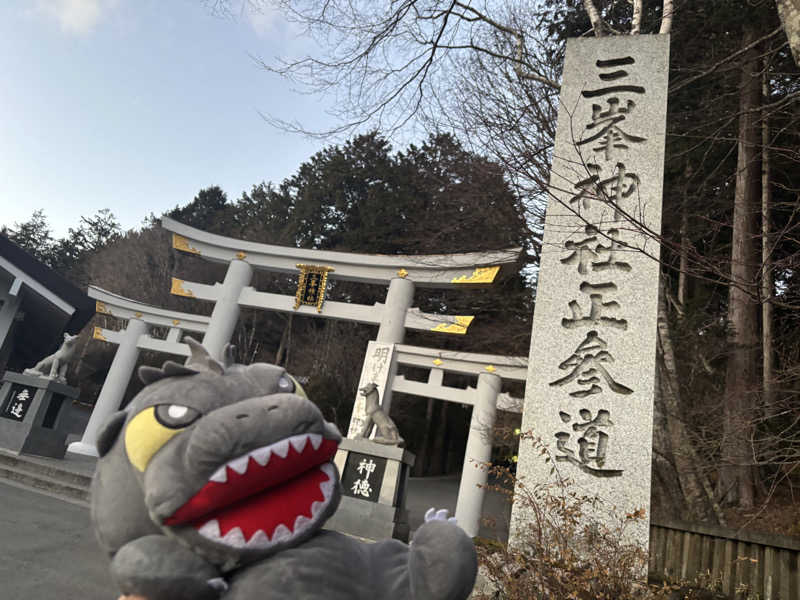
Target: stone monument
[
  {"x": 32, "y": 404},
  {"x": 589, "y": 393}
]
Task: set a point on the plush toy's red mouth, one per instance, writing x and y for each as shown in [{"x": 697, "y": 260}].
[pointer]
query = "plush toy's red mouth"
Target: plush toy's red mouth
[{"x": 267, "y": 496}]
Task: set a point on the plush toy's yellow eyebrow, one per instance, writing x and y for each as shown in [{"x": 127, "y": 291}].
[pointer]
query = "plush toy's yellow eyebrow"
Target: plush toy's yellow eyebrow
[
  {"x": 298, "y": 389},
  {"x": 145, "y": 436}
]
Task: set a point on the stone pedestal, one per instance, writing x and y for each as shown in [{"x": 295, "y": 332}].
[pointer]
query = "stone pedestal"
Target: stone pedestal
[
  {"x": 374, "y": 478},
  {"x": 31, "y": 410}
]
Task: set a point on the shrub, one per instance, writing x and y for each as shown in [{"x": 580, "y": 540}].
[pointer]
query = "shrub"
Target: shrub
[{"x": 563, "y": 550}]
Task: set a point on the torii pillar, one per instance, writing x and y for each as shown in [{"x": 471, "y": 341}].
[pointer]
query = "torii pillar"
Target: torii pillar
[
  {"x": 114, "y": 387},
  {"x": 226, "y": 309}
]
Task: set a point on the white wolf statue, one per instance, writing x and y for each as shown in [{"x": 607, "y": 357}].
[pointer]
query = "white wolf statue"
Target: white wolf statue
[{"x": 55, "y": 366}]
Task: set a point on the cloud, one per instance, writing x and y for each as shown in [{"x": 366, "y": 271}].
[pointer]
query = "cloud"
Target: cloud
[
  {"x": 264, "y": 19},
  {"x": 77, "y": 17}
]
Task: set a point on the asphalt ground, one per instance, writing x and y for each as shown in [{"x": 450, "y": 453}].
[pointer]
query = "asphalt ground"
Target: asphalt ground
[
  {"x": 442, "y": 492},
  {"x": 48, "y": 550}
]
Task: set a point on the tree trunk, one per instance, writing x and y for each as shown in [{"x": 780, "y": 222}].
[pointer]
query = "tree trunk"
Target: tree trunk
[
  {"x": 789, "y": 11},
  {"x": 697, "y": 494},
  {"x": 667, "y": 12},
  {"x": 282, "y": 355},
  {"x": 438, "y": 447},
  {"x": 684, "y": 257},
  {"x": 433, "y": 429},
  {"x": 446, "y": 429},
  {"x": 666, "y": 497},
  {"x": 594, "y": 17},
  {"x": 422, "y": 457},
  {"x": 636, "y": 19},
  {"x": 736, "y": 483},
  {"x": 768, "y": 399}
]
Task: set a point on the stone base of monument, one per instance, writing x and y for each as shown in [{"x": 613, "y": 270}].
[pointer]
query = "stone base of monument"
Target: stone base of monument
[
  {"x": 31, "y": 408},
  {"x": 374, "y": 482}
]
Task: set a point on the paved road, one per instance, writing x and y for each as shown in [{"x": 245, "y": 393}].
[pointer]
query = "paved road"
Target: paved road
[
  {"x": 48, "y": 550},
  {"x": 442, "y": 492}
]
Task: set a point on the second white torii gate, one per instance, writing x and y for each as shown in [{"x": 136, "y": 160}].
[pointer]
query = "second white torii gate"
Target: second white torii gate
[{"x": 135, "y": 337}]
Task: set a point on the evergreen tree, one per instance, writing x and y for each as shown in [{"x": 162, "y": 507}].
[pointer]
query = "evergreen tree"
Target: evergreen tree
[
  {"x": 208, "y": 211},
  {"x": 34, "y": 236}
]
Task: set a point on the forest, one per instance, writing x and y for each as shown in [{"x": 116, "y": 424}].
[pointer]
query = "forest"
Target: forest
[{"x": 482, "y": 84}]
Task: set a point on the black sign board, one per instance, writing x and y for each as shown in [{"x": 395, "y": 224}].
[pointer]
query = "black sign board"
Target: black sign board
[
  {"x": 311, "y": 286},
  {"x": 18, "y": 402},
  {"x": 363, "y": 476}
]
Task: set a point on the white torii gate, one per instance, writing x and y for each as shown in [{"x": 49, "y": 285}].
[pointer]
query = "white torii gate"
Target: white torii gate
[
  {"x": 486, "y": 399},
  {"x": 136, "y": 336},
  {"x": 401, "y": 273}
]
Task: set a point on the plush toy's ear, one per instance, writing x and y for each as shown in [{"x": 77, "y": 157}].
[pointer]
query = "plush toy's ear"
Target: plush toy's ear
[{"x": 109, "y": 432}]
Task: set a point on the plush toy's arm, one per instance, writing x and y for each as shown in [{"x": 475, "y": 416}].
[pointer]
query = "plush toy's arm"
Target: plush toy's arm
[
  {"x": 159, "y": 568},
  {"x": 442, "y": 561}
]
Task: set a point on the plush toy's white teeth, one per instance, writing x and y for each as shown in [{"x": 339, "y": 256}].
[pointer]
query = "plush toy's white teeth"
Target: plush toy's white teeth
[
  {"x": 220, "y": 475},
  {"x": 298, "y": 443},
  {"x": 281, "y": 534},
  {"x": 234, "y": 538},
  {"x": 260, "y": 540},
  {"x": 240, "y": 464},
  {"x": 327, "y": 486},
  {"x": 302, "y": 522},
  {"x": 211, "y": 530},
  {"x": 281, "y": 448},
  {"x": 262, "y": 455}
]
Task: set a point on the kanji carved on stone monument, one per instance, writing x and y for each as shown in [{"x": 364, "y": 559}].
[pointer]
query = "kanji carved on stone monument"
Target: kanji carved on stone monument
[{"x": 590, "y": 390}]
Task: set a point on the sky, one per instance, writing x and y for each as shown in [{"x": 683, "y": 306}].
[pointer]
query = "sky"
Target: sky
[{"x": 136, "y": 105}]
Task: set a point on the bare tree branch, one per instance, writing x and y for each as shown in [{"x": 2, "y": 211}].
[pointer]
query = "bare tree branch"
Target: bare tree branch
[{"x": 723, "y": 61}]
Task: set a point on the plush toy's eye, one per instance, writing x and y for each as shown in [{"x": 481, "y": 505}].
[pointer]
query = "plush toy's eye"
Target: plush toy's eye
[
  {"x": 176, "y": 416},
  {"x": 285, "y": 384}
]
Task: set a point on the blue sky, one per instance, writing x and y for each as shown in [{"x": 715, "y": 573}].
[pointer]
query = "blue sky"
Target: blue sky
[{"x": 136, "y": 105}]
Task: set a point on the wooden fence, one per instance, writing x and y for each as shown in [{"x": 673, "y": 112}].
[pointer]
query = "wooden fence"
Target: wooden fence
[{"x": 765, "y": 566}]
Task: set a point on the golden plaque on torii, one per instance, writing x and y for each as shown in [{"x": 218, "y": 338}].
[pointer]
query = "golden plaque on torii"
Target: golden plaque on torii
[{"x": 311, "y": 286}]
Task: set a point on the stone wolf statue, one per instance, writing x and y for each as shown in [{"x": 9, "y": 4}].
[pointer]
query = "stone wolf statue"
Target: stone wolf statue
[
  {"x": 387, "y": 431},
  {"x": 55, "y": 366}
]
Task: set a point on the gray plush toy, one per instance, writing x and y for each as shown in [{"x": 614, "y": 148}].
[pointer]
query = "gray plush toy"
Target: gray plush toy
[{"x": 215, "y": 483}]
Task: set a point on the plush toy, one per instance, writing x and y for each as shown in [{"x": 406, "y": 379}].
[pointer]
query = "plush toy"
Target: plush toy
[{"x": 215, "y": 483}]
